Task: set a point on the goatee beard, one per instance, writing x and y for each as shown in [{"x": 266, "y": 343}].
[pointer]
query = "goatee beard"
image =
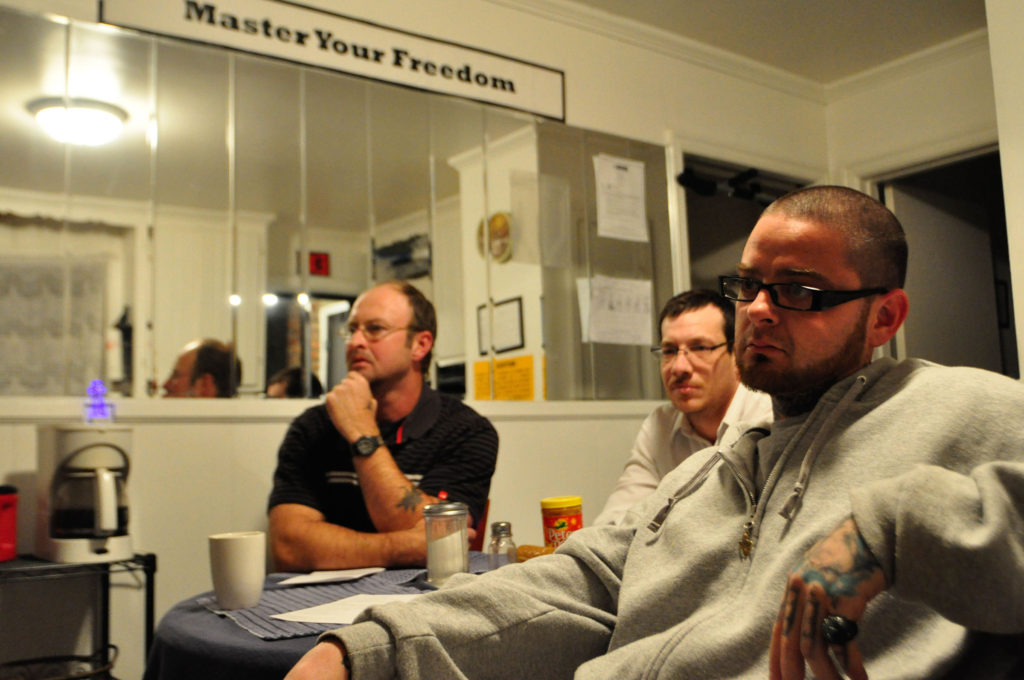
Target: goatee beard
[{"x": 797, "y": 390}]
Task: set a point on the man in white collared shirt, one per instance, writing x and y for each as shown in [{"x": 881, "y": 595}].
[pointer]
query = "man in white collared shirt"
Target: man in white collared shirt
[{"x": 704, "y": 391}]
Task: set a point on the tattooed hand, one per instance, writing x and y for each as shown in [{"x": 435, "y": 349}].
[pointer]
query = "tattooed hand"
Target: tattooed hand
[{"x": 839, "y": 575}]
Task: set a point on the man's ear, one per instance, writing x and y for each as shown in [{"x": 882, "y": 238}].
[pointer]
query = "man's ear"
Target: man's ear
[
  {"x": 422, "y": 342},
  {"x": 888, "y": 313},
  {"x": 204, "y": 386}
]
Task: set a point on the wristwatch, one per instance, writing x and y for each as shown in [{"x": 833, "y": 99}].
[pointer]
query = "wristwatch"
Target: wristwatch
[{"x": 364, "y": 446}]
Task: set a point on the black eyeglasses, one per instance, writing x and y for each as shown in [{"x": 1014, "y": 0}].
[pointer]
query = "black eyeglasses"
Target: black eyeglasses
[{"x": 791, "y": 295}]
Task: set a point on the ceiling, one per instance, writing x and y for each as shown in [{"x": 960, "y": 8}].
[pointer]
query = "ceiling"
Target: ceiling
[{"x": 821, "y": 40}]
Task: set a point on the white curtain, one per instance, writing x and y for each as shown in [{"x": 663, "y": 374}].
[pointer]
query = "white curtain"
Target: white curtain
[{"x": 51, "y": 325}]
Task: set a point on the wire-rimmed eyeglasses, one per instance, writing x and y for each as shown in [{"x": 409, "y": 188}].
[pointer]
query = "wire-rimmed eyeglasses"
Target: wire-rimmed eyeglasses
[
  {"x": 791, "y": 295},
  {"x": 372, "y": 330},
  {"x": 668, "y": 353}
]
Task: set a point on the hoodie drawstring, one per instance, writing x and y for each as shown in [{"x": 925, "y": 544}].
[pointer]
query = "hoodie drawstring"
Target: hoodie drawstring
[{"x": 792, "y": 505}]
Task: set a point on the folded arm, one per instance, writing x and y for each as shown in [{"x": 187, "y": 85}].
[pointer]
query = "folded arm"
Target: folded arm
[
  {"x": 302, "y": 539},
  {"x": 933, "y": 526},
  {"x": 542, "y": 618}
]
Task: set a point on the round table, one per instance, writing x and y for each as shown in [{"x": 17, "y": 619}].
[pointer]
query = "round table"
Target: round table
[{"x": 193, "y": 642}]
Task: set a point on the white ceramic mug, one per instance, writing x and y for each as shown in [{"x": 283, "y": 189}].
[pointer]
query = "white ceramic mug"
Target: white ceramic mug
[{"x": 237, "y": 564}]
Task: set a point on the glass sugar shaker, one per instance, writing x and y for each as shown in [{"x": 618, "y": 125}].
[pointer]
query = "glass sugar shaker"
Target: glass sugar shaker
[
  {"x": 502, "y": 549},
  {"x": 447, "y": 540}
]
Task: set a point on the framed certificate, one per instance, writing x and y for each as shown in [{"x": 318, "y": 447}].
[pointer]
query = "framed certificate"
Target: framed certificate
[{"x": 507, "y": 333}]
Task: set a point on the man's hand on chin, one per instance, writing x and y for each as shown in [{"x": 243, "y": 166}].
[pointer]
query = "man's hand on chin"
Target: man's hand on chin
[{"x": 352, "y": 408}]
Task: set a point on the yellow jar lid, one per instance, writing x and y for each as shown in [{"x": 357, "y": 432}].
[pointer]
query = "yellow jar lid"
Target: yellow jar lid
[{"x": 559, "y": 502}]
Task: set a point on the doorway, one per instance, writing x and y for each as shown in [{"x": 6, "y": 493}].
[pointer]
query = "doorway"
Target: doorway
[
  {"x": 958, "y": 275},
  {"x": 723, "y": 202}
]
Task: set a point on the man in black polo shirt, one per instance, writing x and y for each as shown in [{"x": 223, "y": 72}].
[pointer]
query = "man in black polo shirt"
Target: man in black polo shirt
[{"x": 353, "y": 474}]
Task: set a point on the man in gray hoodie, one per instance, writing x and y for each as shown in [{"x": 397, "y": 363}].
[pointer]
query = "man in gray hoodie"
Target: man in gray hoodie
[{"x": 890, "y": 494}]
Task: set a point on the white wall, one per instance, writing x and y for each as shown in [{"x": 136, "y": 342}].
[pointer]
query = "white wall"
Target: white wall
[{"x": 933, "y": 104}]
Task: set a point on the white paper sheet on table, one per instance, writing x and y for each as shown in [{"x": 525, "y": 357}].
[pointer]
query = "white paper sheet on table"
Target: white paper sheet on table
[
  {"x": 341, "y": 611},
  {"x": 329, "y": 576}
]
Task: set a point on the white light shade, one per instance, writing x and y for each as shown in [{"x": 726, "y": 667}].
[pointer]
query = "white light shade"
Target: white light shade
[
  {"x": 269, "y": 299},
  {"x": 235, "y": 299},
  {"x": 78, "y": 121}
]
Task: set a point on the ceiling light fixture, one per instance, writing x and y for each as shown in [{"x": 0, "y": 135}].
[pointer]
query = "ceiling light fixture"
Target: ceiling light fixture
[{"x": 78, "y": 121}]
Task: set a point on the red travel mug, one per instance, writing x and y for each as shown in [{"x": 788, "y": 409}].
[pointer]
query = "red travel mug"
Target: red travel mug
[{"x": 8, "y": 523}]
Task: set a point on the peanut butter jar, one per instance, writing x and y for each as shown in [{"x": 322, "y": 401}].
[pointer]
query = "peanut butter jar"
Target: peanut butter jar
[{"x": 562, "y": 515}]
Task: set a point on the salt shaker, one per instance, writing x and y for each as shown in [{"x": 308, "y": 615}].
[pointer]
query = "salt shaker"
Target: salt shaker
[
  {"x": 502, "y": 549},
  {"x": 447, "y": 540}
]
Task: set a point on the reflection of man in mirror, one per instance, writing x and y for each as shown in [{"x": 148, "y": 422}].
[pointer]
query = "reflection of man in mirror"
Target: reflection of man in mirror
[
  {"x": 205, "y": 368},
  {"x": 354, "y": 473},
  {"x": 287, "y": 384}
]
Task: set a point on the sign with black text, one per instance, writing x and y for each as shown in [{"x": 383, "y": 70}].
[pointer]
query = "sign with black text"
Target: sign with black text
[{"x": 296, "y": 33}]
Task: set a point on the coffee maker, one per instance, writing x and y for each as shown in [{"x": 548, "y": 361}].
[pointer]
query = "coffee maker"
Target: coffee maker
[{"x": 83, "y": 504}]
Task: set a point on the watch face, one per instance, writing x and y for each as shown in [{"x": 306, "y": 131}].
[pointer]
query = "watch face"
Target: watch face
[{"x": 367, "y": 445}]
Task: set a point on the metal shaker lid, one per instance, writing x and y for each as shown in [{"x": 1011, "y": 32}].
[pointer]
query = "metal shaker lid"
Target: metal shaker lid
[{"x": 445, "y": 509}]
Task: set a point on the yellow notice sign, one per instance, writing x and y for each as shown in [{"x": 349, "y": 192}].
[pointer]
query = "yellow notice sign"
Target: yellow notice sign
[
  {"x": 513, "y": 379},
  {"x": 482, "y": 380}
]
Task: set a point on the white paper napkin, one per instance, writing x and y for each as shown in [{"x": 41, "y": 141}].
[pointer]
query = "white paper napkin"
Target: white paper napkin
[{"x": 341, "y": 611}]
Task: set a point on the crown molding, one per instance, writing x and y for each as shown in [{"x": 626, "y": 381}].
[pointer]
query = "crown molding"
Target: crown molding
[
  {"x": 928, "y": 59},
  {"x": 669, "y": 44}
]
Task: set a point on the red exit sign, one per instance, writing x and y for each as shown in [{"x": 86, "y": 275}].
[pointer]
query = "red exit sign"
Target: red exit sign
[{"x": 320, "y": 264}]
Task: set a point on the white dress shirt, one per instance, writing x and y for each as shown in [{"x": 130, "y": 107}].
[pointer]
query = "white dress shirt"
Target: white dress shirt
[{"x": 666, "y": 439}]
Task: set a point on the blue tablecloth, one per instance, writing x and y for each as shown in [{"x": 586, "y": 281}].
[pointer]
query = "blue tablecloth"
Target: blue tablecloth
[{"x": 194, "y": 642}]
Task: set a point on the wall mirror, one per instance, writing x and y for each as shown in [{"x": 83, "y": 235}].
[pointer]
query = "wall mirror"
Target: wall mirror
[{"x": 249, "y": 200}]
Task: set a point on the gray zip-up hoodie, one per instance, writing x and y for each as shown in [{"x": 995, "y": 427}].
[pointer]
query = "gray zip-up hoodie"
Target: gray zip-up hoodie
[{"x": 929, "y": 461}]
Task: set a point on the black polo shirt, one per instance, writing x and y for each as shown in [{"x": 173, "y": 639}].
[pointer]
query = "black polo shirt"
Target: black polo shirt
[{"x": 442, "y": 445}]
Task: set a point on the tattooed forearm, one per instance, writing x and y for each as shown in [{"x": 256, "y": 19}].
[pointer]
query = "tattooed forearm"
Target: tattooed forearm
[
  {"x": 410, "y": 499},
  {"x": 842, "y": 566}
]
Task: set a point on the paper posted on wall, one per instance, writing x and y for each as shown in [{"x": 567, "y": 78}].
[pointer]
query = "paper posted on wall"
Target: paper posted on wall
[
  {"x": 621, "y": 207},
  {"x": 620, "y": 311}
]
